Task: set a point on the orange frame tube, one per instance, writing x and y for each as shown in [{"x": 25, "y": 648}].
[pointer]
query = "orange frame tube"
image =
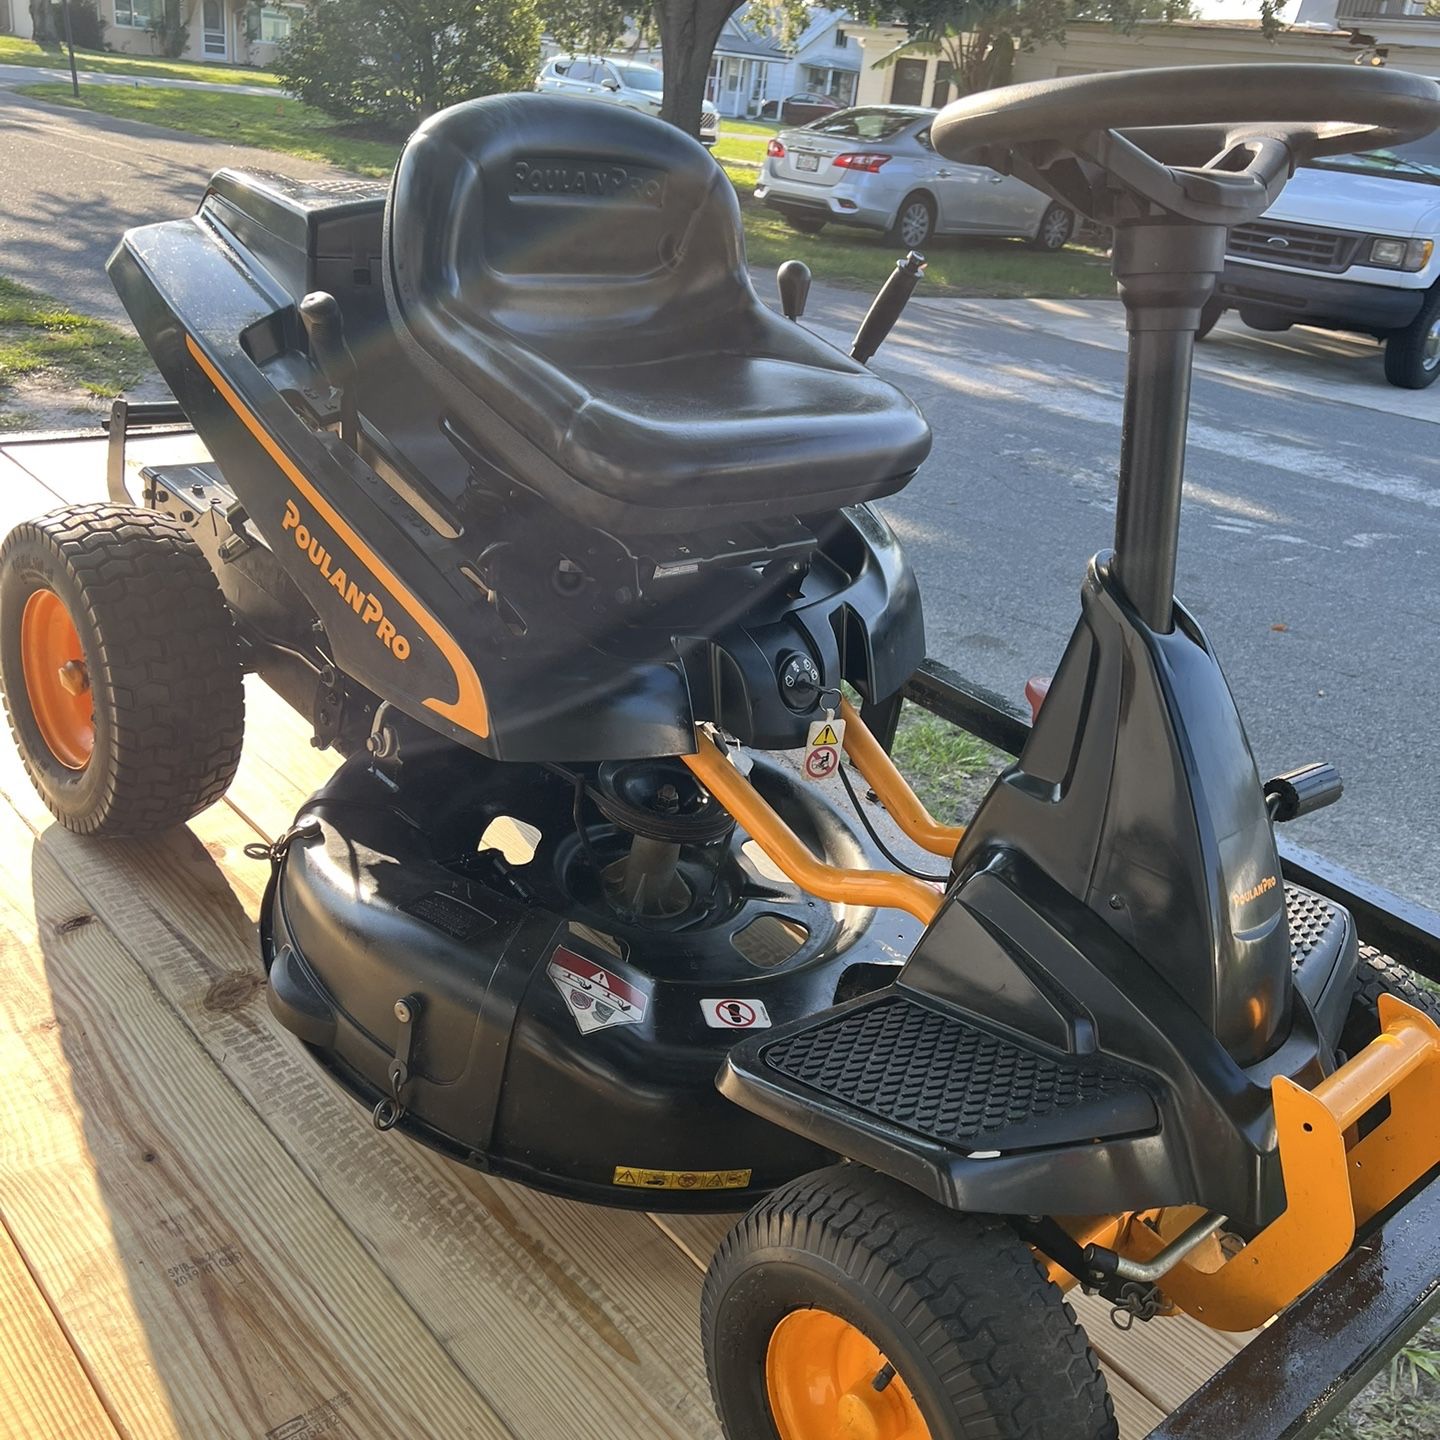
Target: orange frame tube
[
  {"x": 789, "y": 852},
  {"x": 901, "y": 803}
]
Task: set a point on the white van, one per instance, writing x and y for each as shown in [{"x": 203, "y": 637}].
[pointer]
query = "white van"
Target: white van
[{"x": 1351, "y": 245}]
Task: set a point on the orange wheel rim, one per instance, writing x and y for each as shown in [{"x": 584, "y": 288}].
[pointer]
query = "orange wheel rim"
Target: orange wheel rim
[
  {"x": 822, "y": 1374},
  {"x": 57, "y": 680}
]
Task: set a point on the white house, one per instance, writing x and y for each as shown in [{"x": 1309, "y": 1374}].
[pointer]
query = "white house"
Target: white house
[
  {"x": 1328, "y": 32},
  {"x": 824, "y": 59},
  {"x": 221, "y": 31},
  {"x": 746, "y": 70}
]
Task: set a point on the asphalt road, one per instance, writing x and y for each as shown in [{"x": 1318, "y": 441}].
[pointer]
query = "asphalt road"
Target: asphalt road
[
  {"x": 1311, "y": 539},
  {"x": 72, "y": 183}
]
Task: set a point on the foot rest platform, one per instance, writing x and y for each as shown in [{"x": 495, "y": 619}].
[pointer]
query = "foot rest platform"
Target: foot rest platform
[{"x": 890, "y": 1061}]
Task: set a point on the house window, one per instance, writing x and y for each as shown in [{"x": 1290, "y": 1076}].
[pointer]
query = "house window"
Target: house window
[
  {"x": 841, "y": 39},
  {"x": 275, "y": 23},
  {"x": 139, "y": 14}
]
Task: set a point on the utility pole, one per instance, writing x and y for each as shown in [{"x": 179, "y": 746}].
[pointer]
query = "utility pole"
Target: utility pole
[{"x": 70, "y": 46}]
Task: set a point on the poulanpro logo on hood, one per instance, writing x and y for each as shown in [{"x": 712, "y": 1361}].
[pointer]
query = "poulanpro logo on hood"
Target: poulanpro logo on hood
[{"x": 586, "y": 180}]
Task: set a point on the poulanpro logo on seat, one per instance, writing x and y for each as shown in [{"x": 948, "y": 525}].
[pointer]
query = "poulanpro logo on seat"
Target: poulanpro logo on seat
[{"x": 576, "y": 179}]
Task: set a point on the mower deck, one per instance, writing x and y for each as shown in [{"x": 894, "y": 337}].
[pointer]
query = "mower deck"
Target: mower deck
[{"x": 173, "y": 1264}]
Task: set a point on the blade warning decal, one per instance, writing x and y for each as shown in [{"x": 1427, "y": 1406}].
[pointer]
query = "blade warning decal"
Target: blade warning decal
[{"x": 597, "y": 998}]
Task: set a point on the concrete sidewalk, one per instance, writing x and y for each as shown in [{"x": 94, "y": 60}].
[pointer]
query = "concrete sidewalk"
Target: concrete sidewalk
[{"x": 12, "y": 76}]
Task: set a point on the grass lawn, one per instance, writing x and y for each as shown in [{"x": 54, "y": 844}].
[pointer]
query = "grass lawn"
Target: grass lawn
[
  {"x": 948, "y": 768},
  {"x": 15, "y": 51},
  {"x": 42, "y": 340},
  {"x": 279, "y": 124}
]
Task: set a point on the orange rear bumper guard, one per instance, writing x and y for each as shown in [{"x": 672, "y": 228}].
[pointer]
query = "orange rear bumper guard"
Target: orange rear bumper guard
[
  {"x": 1329, "y": 1191},
  {"x": 789, "y": 852}
]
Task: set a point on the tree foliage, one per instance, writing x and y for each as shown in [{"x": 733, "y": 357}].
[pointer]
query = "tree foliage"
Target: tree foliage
[{"x": 396, "y": 61}]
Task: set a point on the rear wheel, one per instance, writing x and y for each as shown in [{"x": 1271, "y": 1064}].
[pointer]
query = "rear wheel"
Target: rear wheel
[
  {"x": 1380, "y": 975},
  {"x": 120, "y": 669},
  {"x": 846, "y": 1304},
  {"x": 805, "y": 224},
  {"x": 1210, "y": 314},
  {"x": 1057, "y": 225},
  {"x": 914, "y": 223},
  {"x": 1412, "y": 355}
]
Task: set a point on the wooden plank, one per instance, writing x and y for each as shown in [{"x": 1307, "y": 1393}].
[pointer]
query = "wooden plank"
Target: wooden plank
[
  {"x": 1166, "y": 1360},
  {"x": 44, "y": 1392},
  {"x": 524, "y": 1290},
  {"x": 207, "y": 1285}
]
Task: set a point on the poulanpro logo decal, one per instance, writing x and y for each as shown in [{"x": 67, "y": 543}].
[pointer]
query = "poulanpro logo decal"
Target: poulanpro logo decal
[
  {"x": 365, "y": 603},
  {"x": 1244, "y": 897},
  {"x": 626, "y": 184}
]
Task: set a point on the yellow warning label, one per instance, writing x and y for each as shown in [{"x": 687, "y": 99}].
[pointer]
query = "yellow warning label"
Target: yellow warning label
[
  {"x": 827, "y": 736},
  {"x": 681, "y": 1179}
]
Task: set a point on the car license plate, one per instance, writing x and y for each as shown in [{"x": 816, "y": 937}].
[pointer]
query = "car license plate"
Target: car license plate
[{"x": 807, "y": 162}]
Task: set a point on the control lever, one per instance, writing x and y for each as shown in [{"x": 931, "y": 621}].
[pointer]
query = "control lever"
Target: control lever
[
  {"x": 1299, "y": 792},
  {"x": 792, "y": 280},
  {"x": 325, "y": 330},
  {"x": 886, "y": 307}
]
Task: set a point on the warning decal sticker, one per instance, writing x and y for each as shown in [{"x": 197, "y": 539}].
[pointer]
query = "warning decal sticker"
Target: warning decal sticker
[
  {"x": 636, "y": 1178},
  {"x": 731, "y": 1014},
  {"x": 597, "y": 998}
]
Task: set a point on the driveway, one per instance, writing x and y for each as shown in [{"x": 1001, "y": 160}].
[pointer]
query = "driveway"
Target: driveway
[
  {"x": 1311, "y": 544},
  {"x": 72, "y": 182}
]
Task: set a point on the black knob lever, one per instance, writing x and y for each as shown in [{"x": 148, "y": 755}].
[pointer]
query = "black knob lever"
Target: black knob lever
[
  {"x": 885, "y": 309},
  {"x": 325, "y": 331},
  {"x": 792, "y": 280}
]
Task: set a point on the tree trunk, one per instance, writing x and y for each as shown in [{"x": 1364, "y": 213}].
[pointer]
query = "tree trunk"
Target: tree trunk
[
  {"x": 688, "y": 32},
  {"x": 42, "y": 23}
]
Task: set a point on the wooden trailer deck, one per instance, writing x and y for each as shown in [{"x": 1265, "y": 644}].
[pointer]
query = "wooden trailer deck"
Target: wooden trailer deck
[{"x": 203, "y": 1237}]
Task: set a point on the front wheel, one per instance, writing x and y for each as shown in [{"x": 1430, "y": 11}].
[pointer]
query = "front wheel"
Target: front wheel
[
  {"x": 847, "y": 1304},
  {"x": 1210, "y": 314},
  {"x": 1057, "y": 225},
  {"x": 1412, "y": 355},
  {"x": 805, "y": 224},
  {"x": 914, "y": 223}
]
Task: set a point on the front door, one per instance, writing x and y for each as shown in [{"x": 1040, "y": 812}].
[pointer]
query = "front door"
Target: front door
[
  {"x": 215, "y": 44},
  {"x": 908, "y": 87}
]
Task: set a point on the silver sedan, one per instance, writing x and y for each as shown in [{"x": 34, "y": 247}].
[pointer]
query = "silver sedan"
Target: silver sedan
[{"x": 873, "y": 166}]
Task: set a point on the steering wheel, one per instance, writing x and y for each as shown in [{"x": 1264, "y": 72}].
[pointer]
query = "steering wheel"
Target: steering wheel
[{"x": 1213, "y": 144}]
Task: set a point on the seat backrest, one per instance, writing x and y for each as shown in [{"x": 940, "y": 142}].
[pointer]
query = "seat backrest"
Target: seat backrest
[{"x": 554, "y": 219}]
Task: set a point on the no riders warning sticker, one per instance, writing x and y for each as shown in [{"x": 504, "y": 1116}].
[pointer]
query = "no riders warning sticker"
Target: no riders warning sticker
[{"x": 597, "y": 998}]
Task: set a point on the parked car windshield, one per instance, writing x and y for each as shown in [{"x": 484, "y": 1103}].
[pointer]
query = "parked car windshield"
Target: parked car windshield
[
  {"x": 866, "y": 122},
  {"x": 1419, "y": 160},
  {"x": 641, "y": 77}
]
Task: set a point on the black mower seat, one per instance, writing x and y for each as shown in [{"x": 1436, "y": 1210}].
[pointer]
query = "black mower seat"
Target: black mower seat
[{"x": 570, "y": 277}]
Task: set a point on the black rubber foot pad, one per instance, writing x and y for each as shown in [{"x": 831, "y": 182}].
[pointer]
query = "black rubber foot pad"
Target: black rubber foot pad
[
  {"x": 1314, "y": 922},
  {"x": 905, "y": 1064}
]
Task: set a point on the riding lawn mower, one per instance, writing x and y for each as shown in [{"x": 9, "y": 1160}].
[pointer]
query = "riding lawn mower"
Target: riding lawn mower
[{"x": 568, "y": 544}]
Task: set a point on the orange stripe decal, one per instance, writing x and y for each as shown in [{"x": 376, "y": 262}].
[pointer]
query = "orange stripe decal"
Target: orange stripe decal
[{"x": 468, "y": 710}]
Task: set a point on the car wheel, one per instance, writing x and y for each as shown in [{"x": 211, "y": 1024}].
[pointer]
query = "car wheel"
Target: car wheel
[
  {"x": 1412, "y": 355},
  {"x": 1210, "y": 314},
  {"x": 806, "y": 224},
  {"x": 1265, "y": 322},
  {"x": 1057, "y": 225},
  {"x": 914, "y": 223}
]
